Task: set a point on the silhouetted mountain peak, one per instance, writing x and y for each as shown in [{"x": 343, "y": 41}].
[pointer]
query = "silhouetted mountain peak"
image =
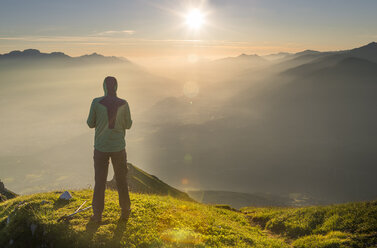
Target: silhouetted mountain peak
[
  {"x": 368, "y": 52},
  {"x": 244, "y": 55},
  {"x": 93, "y": 55},
  {"x": 372, "y": 45},
  {"x": 31, "y": 54},
  {"x": 59, "y": 54},
  {"x": 18, "y": 53},
  {"x": 307, "y": 52}
]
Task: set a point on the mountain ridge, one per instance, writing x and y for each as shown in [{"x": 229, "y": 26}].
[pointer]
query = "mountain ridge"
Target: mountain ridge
[
  {"x": 140, "y": 181},
  {"x": 35, "y": 55},
  {"x": 291, "y": 60}
]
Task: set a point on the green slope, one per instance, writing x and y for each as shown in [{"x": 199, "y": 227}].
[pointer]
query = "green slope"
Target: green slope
[
  {"x": 156, "y": 221},
  {"x": 165, "y": 221},
  {"x": 345, "y": 225},
  {"x": 140, "y": 181}
]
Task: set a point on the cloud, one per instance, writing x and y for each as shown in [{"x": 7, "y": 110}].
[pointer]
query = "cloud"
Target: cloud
[
  {"x": 115, "y": 33},
  {"x": 111, "y": 36},
  {"x": 125, "y": 38},
  {"x": 97, "y": 37},
  {"x": 64, "y": 39}
]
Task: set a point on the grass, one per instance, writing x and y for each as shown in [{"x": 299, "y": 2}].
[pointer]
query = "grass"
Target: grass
[
  {"x": 345, "y": 225},
  {"x": 155, "y": 221},
  {"x": 164, "y": 221}
]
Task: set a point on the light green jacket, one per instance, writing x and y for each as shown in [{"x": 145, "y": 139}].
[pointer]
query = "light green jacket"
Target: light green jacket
[{"x": 109, "y": 137}]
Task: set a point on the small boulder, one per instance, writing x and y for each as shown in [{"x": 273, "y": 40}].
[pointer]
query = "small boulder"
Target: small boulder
[{"x": 65, "y": 196}]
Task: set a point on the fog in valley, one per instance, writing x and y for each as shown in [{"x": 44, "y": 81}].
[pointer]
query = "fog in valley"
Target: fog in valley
[{"x": 281, "y": 124}]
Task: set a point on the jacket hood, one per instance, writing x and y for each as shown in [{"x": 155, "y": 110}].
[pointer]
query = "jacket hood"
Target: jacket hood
[{"x": 110, "y": 86}]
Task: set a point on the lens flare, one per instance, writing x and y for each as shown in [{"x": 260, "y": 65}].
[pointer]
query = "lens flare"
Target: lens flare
[
  {"x": 182, "y": 237},
  {"x": 191, "y": 89},
  {"x": 185, "y": 181}
]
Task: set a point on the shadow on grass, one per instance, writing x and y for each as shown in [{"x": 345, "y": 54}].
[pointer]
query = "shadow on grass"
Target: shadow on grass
[
  {"x": 60, "y": 203},
  {"x": 119, "y": 230},
  {"x": 91, "y": 228}
]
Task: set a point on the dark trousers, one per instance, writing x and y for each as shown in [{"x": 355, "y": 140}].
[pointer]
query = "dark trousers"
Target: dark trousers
[{"x": 101, "y": 167}]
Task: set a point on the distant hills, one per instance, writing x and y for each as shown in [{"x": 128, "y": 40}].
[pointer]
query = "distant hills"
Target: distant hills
[
  {"x": 303, "y": 123},
  {"x": 253, "y": 58},
  {"x": 230, "y": 65},
  {"x": 36, "y": 56},
  {"x": 287, "y": 123},
  {"x": 356, "y": 61},
  {"x": 368, "y": 52},
  {"x": 242, "y": 62},
  {"x": 291, "y": 60}
]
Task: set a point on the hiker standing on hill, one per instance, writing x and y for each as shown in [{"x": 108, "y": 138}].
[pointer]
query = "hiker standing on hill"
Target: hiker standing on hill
[{"x": 110, "y": 116}]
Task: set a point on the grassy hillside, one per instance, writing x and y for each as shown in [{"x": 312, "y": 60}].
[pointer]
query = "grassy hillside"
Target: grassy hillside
[
  {"x": 164, "y": 221},
  {"x": 140, "y": 181},
  {"x": 156, "y": 221},
  {"x": 346, "y": 225}
]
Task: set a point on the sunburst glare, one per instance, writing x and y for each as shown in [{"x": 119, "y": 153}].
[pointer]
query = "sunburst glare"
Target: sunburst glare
[{"x": 195, "y": 19}]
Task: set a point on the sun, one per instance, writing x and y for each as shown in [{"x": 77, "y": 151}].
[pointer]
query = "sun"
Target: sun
[{"x": 195, "y": 19}]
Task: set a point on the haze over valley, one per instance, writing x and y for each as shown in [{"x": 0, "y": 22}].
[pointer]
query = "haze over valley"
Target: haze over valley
[{"x": 288, "y": 123}]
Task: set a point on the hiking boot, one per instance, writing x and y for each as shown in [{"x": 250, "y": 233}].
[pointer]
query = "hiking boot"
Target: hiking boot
[
  {"x": 125, "y": 216},
  {"x": 95, "y": 219}
]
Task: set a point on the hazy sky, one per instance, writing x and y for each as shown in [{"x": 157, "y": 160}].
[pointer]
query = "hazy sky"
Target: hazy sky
[{"x": 153, "y": 29}]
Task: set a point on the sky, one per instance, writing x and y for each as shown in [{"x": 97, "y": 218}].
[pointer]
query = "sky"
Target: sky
[{"x": 156, "y": 29}]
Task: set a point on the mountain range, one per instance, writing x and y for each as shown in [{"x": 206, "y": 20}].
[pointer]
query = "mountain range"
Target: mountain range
[
  {"x": 34, "y": 56},
  {"x": 303, "y": 124},
  {"x": 297, "y": 124}
]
